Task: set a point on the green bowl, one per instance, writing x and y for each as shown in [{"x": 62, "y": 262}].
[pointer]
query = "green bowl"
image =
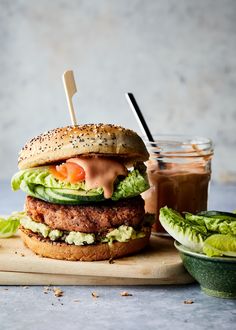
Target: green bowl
[{"x": 216, "y": 275}]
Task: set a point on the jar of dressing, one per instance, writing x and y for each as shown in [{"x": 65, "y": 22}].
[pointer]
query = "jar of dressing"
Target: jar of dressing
[{"x": 179, "y": 172}]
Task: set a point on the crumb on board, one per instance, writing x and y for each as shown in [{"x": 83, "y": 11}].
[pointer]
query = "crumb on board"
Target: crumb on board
[
  {"x": 58, "y": 292},
  {"x": 188, "y": 301},
  {"x": 111, "y": 261},
  {"x": 76, "y": 300},
  {"x": 95, "y": 295},
  {"x": 46, "y": 288},
  {"x": 25, "y": 287},
  {"x": 125, "y": 294}
]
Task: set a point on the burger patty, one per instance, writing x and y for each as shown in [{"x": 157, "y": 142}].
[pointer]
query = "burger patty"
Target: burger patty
[{"x": 87, "y": 218}]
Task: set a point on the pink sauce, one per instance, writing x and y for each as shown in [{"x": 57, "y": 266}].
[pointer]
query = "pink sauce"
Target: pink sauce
[{"x": 100, "y": 172}]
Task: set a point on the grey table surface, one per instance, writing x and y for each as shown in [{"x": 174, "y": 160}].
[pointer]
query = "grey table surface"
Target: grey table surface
[{"x": 148, "y": 308}]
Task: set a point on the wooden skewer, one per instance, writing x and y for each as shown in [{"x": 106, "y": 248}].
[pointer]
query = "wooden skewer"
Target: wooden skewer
[{"x": 70, "y": 90}]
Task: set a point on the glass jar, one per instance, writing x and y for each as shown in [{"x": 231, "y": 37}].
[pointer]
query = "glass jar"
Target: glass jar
[{"x": 179, "y": 172}]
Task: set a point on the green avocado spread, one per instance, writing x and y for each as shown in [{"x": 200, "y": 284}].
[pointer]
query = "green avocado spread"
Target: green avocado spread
[
  {"x": 120, "y": 234},
  {"x": 78, "y": 238}
]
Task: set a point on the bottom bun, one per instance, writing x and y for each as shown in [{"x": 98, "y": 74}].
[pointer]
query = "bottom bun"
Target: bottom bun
[{"x": 63, "y": 251}]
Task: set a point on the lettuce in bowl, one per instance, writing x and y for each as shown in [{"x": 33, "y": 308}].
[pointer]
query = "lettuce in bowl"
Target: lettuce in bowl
[{"x": 210, "y": 232}]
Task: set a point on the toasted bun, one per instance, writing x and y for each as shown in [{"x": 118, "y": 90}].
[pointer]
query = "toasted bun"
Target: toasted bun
[
  {"x": 71, "y": 141},
  {"x": 102, "y": 251}
]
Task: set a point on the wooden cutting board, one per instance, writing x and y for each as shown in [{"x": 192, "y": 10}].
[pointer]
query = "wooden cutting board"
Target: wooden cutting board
[{"x": 159, "y": 263}]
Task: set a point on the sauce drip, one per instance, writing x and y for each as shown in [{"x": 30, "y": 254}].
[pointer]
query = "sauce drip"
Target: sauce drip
[{"x": 100, "y": 172}]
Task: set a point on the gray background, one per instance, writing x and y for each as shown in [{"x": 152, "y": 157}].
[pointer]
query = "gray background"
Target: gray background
[{"x": 177, "y": 56}]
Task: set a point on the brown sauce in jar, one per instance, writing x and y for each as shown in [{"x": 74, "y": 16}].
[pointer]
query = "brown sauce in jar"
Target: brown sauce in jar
[
  {"x": 179, "y": 178},
  {"x": 181, "y": 190}
]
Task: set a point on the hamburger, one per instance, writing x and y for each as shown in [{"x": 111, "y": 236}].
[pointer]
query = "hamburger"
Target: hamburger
[{"x": 83, "y": 186}]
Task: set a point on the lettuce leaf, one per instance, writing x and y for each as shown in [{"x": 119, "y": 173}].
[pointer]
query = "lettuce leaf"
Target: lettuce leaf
[
  {"x": 134, "y": 184},
  {"x": 188, "y": 233},
  {"x": 28, "y": 181},
  {"x": 214, "y": 224},
  {"x": 9, "y": 226},
  {"x": 220, "y": 245},
  {"x": 42, "y": 176}
]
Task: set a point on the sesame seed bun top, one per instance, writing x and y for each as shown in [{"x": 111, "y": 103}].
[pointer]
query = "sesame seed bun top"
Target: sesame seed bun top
[{"x": 83, "y": 140}]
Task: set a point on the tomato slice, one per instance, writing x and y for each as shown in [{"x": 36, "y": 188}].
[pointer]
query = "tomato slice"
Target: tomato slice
[
  {"x": 62, "y": 169},
  {"x": 56, "y": 174},
  {"x": 69, "y": 172},
  {"x": 75, "y": 172}
]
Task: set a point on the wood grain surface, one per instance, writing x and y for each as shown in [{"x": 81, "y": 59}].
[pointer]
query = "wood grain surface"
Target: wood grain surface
[{"x": 159, "y": 263}]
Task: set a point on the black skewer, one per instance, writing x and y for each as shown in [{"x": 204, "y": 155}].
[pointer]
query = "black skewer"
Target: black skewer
[
  {"x": 142, "y": 124},
  {"x": 139, "y": 116}
]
